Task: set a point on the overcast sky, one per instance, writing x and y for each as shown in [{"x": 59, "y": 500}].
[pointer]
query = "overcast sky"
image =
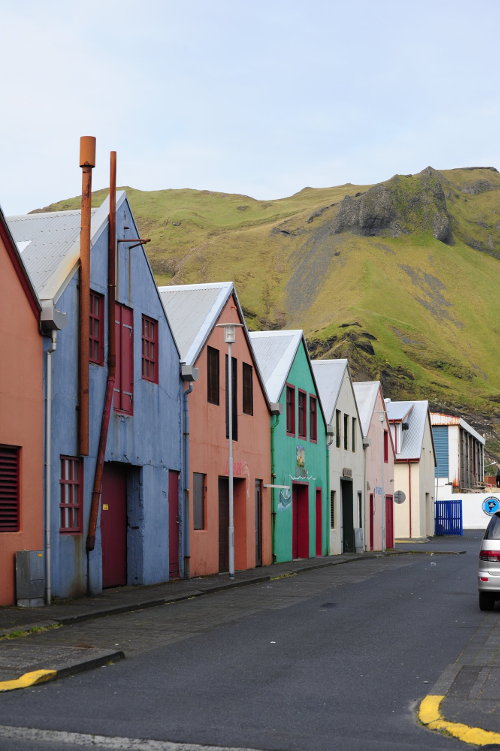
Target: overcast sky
[{"x": 261, "y": 97}]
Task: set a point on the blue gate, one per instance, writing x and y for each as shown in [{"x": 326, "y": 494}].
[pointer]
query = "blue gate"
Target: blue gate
[{"x": 449, "y": 518}]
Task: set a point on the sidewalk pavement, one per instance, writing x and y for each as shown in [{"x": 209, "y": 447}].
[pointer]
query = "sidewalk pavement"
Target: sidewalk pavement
[{"x": 467, "y": 694}]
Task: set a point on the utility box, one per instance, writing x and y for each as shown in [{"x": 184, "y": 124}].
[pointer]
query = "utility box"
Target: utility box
[
  {"x": 359, "y": 539},
  {"x": 30, "y": 578}
]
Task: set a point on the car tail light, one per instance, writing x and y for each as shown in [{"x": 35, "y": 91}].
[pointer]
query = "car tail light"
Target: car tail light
[
  {"x": 484, "y": 578},
  {"x": 490, "y": 555}
]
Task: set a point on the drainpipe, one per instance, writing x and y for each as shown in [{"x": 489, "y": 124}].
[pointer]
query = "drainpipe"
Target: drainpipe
[
  {"x": 409, "y": 493},
  {"x": 276, "y": 417},
  {"x": 48, "y": 460},
  {"x": 110, "y": 383},
  {"x": 87, "y": 162},
  {"x": 186, "y": 527}
]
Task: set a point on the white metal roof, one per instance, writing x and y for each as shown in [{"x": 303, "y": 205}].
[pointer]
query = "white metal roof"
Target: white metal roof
[
  {"x": 49, "y": 243},
  {"x": 329, "y": 375},
  {"x": 415, "y": 415},
  {"x": 275, "y": 352},
  {"x": 366, "y": 397},
  {"x": 437, "y": 418},
  {"x": 192, "y": 311}
]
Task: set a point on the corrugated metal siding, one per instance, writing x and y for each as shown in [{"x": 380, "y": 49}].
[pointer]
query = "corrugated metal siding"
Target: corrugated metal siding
[{"x": 440, "y": 435}]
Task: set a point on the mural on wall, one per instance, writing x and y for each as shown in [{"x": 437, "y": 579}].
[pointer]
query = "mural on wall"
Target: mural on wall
[
  {"x": 301, "y": 472},
  {"x": 285, "y": 499}
]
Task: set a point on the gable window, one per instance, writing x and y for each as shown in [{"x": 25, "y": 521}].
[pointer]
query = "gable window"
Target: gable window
[
  {"x": 234, "y": 397},
  {"x": 96, "y": 328},
  {"x": 124, "y": 380},
  {"x": 313, "y": 418},
  {"x": 213, "y": 375},
  {"x": 9, "y": 489},
  {"x": 386, "y": 446},
  {"x": 70, "y": 505},
  {"x": 199, "y": 500},
  {"x": 353, "y": 434},
  {"x": 247, "y": 389},
  {"x": 290, "y": 410},
  {"x": 149, "y": 349},
  {"x": 346, "y": 432},
  {"x": 337, "y": 428},
  {"x": 302, "y": 414}
]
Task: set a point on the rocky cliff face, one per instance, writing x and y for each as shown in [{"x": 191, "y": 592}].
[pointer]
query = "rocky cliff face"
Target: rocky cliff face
[{"x": 402, "y": 205}]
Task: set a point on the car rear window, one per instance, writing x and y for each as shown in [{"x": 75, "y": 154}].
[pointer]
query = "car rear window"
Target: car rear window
[{"x": 493, "y": 528}]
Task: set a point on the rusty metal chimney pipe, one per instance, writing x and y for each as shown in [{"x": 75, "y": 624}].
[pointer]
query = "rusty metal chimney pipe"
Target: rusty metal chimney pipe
[
  {"x": 87, "y": 163},
  {"x": 110, "y": 383}
]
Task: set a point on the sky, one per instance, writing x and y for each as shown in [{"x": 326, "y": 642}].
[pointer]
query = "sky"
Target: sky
[{"x": 259, "y": 97}]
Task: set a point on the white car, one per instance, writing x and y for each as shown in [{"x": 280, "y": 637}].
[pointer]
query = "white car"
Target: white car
[{"x": 489, "y": 565}]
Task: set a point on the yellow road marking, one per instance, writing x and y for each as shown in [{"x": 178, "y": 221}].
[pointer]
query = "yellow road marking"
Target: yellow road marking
[
  {"x": 430, "y": 715},
  {"x": 28, "y": 679}
]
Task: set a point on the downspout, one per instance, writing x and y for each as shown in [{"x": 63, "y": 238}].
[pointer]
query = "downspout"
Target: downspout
[
  {"x": 186, "y": 527},
  {"x": 87, "y": 162},
  {"x": 409, "y": 493},
  {"x": 273, "y": 490},
  {"x": 110, "y": 383},
  {"x": 48, "y": 460}
]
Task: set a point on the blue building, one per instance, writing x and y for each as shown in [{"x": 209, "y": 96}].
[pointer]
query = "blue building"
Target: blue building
[{"x": 132, "y": 532}]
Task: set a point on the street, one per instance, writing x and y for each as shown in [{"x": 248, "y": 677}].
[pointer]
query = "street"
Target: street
[{"x": 332, "y": 658}]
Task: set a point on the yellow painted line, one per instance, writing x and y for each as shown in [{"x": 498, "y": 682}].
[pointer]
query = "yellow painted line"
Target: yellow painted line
[
  {"x": 282, "y": 576},
  {"x": 429, "y": 714},
  {"x": 28, "y": 679}
]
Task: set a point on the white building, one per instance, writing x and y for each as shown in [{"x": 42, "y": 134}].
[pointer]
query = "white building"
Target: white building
[
  {"x": 346, "y": 455},
  {"x": 414, "y": 468},
  {"x": 459, "y": 455}
]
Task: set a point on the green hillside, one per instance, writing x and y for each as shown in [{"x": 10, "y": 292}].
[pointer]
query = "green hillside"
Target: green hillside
[{"x": 401, "y": 277}]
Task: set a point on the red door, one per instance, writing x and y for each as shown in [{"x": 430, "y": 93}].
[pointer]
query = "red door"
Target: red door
[
  {"x": 114, "y": 525},
  {"x": 372, "y": 515},
  {"x": 389, "y": 522},
  {"x": 300, "y": 531},
  {"x": 173, "y": 524},
  {"x": 319, "y": 523}
]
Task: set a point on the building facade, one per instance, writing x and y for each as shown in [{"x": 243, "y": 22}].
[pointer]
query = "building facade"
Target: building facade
[{"x": 459, "y": 455}]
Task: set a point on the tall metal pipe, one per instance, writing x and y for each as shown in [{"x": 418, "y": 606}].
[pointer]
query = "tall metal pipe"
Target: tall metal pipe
[
  {"x": 87, "y": 163},
  {"x": 48, "y": 463},
  {"x": 111, "y": 360}
]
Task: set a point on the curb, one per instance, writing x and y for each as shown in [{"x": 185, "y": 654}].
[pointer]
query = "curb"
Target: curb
[
  {"x": 35, "y": 677},
  {"x": 429, "y": 715}
]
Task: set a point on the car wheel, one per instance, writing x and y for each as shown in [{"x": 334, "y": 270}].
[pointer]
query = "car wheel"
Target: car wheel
[{"x": 486, "y": 601}]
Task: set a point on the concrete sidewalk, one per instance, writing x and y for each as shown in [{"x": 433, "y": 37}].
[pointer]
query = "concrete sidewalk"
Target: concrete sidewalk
[{"x": 467, "y": 694}]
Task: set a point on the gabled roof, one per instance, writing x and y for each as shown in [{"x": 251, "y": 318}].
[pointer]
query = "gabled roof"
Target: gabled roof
[
  {"x": 415, "y": 415},
  {"x": 366, "y": 397},
  {"x": 19, "y": 267},
  {"x": 329, "y": 375},
  {"x": 49, "y": 243},
  {"x": 192, "y": 311},
  {"x": 275, "y": 352},
  {"x": 438, "y": 418}
]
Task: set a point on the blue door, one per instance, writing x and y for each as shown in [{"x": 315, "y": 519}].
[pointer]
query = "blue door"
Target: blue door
[{"x": 449, "y": 518}]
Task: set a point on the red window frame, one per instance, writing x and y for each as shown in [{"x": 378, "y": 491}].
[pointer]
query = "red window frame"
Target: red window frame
[
  {"x": 290, "y": 410},
  {"x": 96, "y": 328},
  {"x": 386, "y": 446},
  {"x": 124, "y": 380},
  {"x": 149, "y": 349},
  {"x": 313, "y": 419},
  {"x": 71, "y": 487},
  {"x": 302, "y": 413},
  {"x": 10, "y": 489}
]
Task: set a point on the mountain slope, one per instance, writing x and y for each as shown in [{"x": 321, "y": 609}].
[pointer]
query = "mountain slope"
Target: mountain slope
[{"x": 401, "y": 277}]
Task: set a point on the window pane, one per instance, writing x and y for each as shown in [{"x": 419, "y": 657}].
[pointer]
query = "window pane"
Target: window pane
[{"x": 198, "y": 500}]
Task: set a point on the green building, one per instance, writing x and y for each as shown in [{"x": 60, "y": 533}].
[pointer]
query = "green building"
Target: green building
[{"x": 299, "y": 453}]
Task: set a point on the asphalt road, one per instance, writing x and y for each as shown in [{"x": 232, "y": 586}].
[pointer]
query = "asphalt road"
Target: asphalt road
[{"x": 334, "y": 658}]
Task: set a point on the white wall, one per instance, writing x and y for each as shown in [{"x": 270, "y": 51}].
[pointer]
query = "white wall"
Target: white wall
[{"x": 473, "y": 516}]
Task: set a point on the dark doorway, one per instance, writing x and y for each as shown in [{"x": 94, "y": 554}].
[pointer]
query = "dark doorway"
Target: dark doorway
[
  {"x": 173, "y": 525},
  {"x": 258, "y": 522},
  {"x": 372, "y": 516},
  {"x": 319, "y": 522},
  {"x": 223, "y": 524},
  {"x": 300, "y": 510},
  {"x": 114, "y": 525},
  {"x": 348, "y": 545}
]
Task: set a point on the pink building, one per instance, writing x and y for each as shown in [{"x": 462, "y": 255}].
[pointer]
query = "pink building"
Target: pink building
[
  {"x": 195, "y": 313},
  {"x": 21, "y": 411},
  {"x": 379, "y": 466}
]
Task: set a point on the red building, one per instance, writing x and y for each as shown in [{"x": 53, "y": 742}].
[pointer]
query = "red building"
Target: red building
[{"x": 21, "y": 415}]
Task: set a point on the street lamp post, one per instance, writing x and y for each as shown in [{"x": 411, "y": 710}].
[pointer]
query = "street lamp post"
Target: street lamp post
[{"x": 230, "y": 338}]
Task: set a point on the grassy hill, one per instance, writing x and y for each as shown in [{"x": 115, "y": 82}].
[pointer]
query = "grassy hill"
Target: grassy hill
[{"x": 401, "y": 277}]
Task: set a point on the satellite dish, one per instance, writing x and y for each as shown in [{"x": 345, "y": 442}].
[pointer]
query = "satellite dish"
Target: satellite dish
[{"x": 399, "y": 496}]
